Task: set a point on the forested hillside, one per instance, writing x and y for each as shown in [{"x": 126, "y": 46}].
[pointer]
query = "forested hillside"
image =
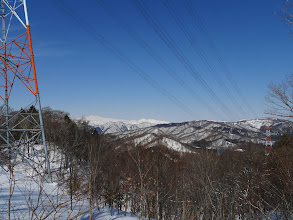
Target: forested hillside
[{"x": 159, "y": 183}]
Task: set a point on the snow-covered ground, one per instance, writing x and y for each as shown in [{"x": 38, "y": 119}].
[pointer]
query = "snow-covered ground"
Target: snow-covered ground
[{"x": 32, "y": 197}]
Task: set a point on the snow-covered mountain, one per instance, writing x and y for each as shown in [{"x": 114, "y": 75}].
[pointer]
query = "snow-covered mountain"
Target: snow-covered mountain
[
  {"x": 187, "y": 136},
  {"x": 206, "y": 134},
  {"x": 110, "y": 125}
]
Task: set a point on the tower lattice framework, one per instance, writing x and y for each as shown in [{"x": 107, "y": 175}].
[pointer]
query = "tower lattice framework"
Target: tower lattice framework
[{"x": 22, "y": 135}]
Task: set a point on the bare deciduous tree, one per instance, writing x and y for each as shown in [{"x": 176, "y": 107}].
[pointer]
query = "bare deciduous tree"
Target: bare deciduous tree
[
  {"x": 287, "y": 12},
  {"x": 280, "y": 98}
]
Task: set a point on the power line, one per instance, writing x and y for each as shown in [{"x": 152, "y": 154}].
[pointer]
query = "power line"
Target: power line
[
  {"x": 103, "y": 41},
  {"x": 165, "y": 37},
  {"x": 143, "y": 44},
  {"x": 216, "y": 53},
  {"x": 195, "y": 45}
]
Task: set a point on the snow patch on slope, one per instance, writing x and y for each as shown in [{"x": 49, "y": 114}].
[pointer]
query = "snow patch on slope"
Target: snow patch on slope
[
  {"x": 174, "y": 145},
  {"x": 257, "y": 123}
]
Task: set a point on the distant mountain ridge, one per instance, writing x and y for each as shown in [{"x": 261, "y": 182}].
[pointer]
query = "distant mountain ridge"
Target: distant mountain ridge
[
  {"x": 208, "y": 134},
  {"x": 110, "y": 125},
  {"x": 188, "y": 136}
]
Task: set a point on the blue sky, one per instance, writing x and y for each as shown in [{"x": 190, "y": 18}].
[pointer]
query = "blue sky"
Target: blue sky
[{"x": 77, "y": 74}]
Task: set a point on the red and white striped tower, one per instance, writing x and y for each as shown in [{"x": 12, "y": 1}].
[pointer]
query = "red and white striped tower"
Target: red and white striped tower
[{"x": 22, "y": 132}]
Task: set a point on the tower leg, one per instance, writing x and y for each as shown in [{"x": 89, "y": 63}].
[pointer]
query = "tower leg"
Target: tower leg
[
  {"x": 7, "y": 133},
  {"x": 44, "y": 137}
]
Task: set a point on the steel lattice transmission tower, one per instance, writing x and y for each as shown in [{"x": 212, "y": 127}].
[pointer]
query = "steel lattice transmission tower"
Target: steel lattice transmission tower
[
  {"x": 269, "y": 144},
  {"x": 22, "y": 136}
]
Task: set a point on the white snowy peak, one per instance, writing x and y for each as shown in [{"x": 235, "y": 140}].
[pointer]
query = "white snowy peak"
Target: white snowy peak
[{"x": 110, "y": 125}]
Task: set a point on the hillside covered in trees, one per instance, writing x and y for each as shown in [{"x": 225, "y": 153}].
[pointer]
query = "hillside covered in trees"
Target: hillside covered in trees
[{"x": 159, "y": 183}]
